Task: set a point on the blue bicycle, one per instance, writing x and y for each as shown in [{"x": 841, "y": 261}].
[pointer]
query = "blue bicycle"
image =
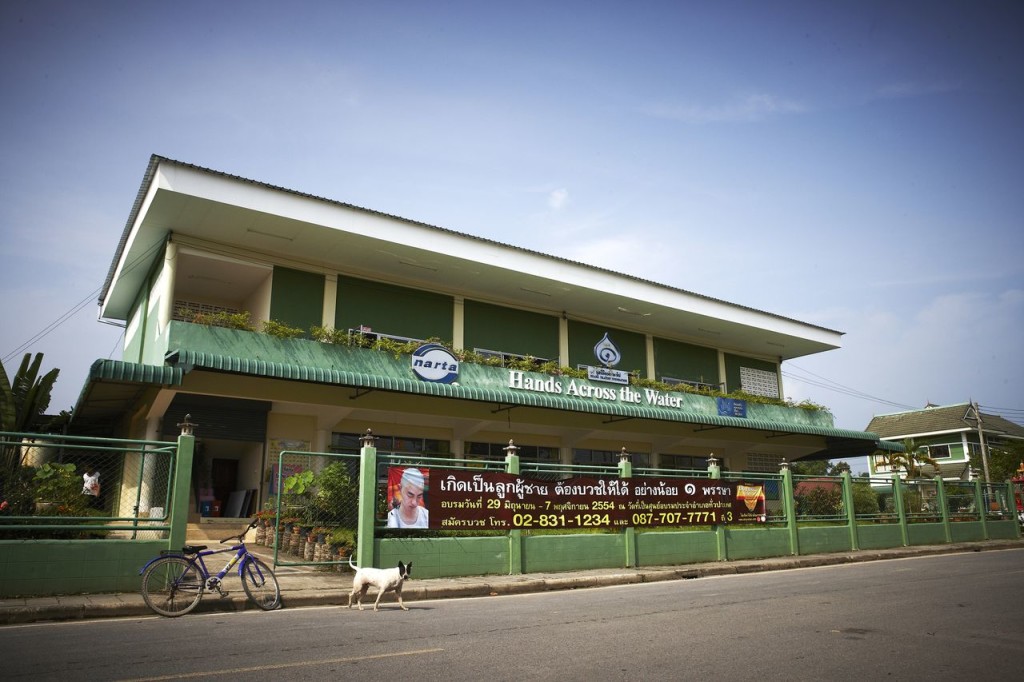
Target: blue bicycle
[{"x": 174, "y": 582}]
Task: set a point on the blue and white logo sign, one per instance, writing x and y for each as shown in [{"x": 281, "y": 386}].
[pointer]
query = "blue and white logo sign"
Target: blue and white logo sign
[
  {"x": 606, "y": 352},
  {"x": 434, "y": 362}
]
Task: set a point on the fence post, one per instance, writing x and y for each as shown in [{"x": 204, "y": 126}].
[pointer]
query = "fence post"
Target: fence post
[
  {"x": 515, "y": 535},
  {"x": 1011, "y": 506},
  {"x": 367, "y": 499},
  {"x": 629, "y": 536},
  {"x": 182, "y": 484},
  {"x": 721, "y": 544},
  {"x": 901, "y": 512},
  {"x": 940, "y": 499},
  {"x": 789, "y": 508},
  {"x": 851, "y": 512},
  {"x": 981, "y": 505}
]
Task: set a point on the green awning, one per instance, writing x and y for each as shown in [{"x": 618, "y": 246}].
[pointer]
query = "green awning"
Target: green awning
[
  {"x": 188, "y": 360},
  {"x": 131, "y": 372},
  {"x": 112, "y": 388}
]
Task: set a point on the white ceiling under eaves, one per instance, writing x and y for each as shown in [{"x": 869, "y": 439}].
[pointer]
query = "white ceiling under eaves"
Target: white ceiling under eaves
[{"x": 333, "y": 237}]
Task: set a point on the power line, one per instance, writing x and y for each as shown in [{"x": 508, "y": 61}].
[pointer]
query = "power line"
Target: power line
[
  {"x": 52, "y": 326},
  {"x": 829, "y": 384},
  {"x": 1019, "y": 410},
  {"x": 77, "y": 307},
  {"x": 1013, "y": 414}
]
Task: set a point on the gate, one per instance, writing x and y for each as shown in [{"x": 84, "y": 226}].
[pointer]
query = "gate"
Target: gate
[{"x": 312, "y": 510}]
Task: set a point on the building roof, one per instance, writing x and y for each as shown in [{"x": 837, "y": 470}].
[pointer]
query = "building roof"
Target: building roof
[
  {"x": 942, "y": 419},
  {"x": 186, "y": 202}
]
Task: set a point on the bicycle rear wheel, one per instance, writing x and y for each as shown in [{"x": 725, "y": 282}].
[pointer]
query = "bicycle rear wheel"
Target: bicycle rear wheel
[
  {"x": 172, "y": 586},
  {"x": 260, "y": 584}
]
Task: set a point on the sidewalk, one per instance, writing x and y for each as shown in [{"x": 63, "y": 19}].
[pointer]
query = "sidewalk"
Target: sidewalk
[{"x": 307, "y": 586}]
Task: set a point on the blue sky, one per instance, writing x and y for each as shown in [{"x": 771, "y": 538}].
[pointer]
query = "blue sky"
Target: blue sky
[{"x": 855, "y": 165}]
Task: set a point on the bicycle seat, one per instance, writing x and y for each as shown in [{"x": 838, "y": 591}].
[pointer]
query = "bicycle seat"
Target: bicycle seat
[{"x": 193, "y": 549}]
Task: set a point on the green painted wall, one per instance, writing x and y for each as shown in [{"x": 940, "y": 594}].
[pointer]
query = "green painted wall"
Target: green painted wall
[
  {"x": 668, "y": 548},
  {"x": 755, "y": 543},
  {"x": 685, "y": 361},
  {"x": 584, "y": 336},
  {"x": 297, "y": 298},
  {"x": 1003, "y": 530},
  {"x": 133, "y": 343},
  {"x": 45, "y": 567},
  {"x": 926, "y": 533},
  {"x": 542, "y": 553},
  {"x": 823, "y": 539},
  {"x": 509, "y": 330},
  {"x": 732, "y": 369},
  {"x": 442, "y": 557},
  {"x": 967, "y": 531},
  {"x": 391, "y": 309},
  {"x": 878, "y": 536}
]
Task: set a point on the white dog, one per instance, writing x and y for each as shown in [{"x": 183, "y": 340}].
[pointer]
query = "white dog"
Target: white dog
[{"x": 384, "y": 579}]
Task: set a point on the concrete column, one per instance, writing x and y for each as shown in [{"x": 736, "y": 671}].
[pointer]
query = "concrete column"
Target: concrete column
[
  {"x": 981, "y": 504},
  {"x": 901, "y": 512},
  {"x": 182, "y": 484},
  {"x": 940, "y": 499},
  {"x": 626, "y": 471},
  {"x": 789, "y": 508},
  {"x": 459, "y": 323},
  {"x": 367, "y": 499},
  {"x": 851, "y": 513},
  {"x": 327, "y": 316},
  {"x": 515, "y": 536},
  {"x": 721, "y": 541}
]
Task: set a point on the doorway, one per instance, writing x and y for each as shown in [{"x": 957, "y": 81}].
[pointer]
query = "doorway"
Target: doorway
[{"x": 225, "y": 481}]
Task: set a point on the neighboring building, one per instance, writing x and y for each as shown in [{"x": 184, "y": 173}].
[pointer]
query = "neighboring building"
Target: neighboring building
[
  {"x": 948, "y": 434},
  {"x": 200, "y": 240}
]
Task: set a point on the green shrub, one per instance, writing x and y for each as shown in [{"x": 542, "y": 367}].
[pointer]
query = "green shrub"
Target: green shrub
[{"x": 281, "y": 330}]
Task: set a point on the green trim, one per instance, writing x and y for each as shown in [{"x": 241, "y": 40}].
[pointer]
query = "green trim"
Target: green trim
[{"x": 131, "y": 372}]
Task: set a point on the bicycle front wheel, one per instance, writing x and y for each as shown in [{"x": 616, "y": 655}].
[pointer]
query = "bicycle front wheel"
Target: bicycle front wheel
[
  {"x": 260, "y": 584},
  {"x": 172, "y": 586}
]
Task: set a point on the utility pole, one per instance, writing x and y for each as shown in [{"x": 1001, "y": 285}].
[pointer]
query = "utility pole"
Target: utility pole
[{"x": 981, "y": 439}]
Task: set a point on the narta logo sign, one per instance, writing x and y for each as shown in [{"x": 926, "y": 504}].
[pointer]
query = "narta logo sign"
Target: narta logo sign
[{"x": 433, "y": 362}]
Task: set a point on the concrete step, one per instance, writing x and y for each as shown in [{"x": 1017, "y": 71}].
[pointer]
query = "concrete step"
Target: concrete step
[{"x": 209, "y": 530}]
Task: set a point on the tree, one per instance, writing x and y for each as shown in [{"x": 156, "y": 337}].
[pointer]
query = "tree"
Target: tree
[
  {"x": 912, "y": 460},
  {"x": 1003, "y": 460},
  {"x": 23, "y": 402},
  {"x": 816, "y": 468},
  {"x": 820, "y": 467}
]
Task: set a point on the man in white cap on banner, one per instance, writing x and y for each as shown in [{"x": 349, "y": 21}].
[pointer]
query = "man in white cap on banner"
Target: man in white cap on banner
[{"x": 410, "y": 512}]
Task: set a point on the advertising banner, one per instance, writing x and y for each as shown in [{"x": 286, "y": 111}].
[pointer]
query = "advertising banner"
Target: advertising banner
[{"x": 468, "y": 500}]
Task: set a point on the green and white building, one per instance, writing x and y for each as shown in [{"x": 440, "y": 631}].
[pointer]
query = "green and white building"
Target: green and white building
[
  {"x": 198, "y": 240},
  {"x": 949, "y": 434}
]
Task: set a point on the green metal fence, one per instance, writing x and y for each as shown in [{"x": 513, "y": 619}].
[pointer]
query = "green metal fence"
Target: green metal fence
[{"x": 75, "y": 487}]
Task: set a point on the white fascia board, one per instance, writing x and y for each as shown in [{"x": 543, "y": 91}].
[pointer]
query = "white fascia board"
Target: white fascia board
[
  {"x": 345, "y": 218},
  {"x": 129, "y": 243},
  {"x": 927, "y": 434}
]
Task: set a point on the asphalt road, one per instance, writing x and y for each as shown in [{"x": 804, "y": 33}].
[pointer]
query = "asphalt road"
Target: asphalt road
[{"x": 937, "y": 617}]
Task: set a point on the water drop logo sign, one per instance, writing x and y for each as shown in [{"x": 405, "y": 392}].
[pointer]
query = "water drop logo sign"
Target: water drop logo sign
[
  {"x": 606, "y": 352},
  {"x": 435, "y": 363}
]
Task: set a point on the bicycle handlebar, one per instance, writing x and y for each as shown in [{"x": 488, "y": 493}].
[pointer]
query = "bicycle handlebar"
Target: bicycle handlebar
[{"x": 241, "y": 536}]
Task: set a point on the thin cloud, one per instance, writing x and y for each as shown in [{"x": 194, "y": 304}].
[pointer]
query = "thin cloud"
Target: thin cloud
[
  {"x": 558, "y": 198},
  {"x": 754, "y": 107}
]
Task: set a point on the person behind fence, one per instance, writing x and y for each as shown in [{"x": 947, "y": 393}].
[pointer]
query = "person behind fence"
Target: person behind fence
[
  {"x": 409, "y": 512},
  {"x": 91, "y": 486}
]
